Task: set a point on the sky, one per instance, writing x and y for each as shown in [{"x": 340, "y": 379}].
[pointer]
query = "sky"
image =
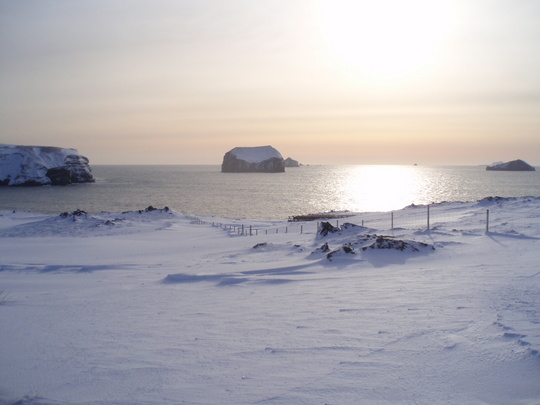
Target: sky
[{"x": 324, "y": 82}]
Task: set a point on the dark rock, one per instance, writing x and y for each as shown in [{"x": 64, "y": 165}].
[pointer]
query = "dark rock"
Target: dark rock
[
  {"x": 76, "y": 213},
  {"x": 289, "y": 162},
  {"x": 323, "y": 249},
  {"x": 59, "y": 176},
  {"x": 344, "y": 249},
  {"x": 514, "y": 166},
  {"x": 387, "y": 242},
  {"x": 326, "y": 227}
]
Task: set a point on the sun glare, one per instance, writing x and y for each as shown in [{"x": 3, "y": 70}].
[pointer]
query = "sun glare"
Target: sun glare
[
  {"x": 384, "y": 38},
  {"x": 389, "y": 187}
]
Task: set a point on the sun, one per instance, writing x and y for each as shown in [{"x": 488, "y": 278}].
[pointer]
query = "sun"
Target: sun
[{"x": 384, "y": 38}]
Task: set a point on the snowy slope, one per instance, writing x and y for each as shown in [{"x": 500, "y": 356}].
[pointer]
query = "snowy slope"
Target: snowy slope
[
  {"x": 256, "y": 154},
  {"x": 154, "y": 307}
]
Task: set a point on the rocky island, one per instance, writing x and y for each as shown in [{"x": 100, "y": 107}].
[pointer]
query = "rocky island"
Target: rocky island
[
  {"x": 290, "y": 162},
  {"x": 514, "y": 166},
  {"x": 263, "y": 159},
  {"x": 42, "y": 165}
]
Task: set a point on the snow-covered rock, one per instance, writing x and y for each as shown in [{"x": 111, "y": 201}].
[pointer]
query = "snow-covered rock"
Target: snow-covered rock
[
  {"x": 253, "y": 159},
  {"x": 42, "y": 165},
  {"x": 514, "y": 165}
]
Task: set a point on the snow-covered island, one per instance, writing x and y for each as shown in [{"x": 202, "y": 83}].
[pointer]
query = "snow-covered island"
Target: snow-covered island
[
  {"x": 514, "y": 166},
  {"x": 156, "y": 307},
  {"x": 22, "y": 165},
  {"x": 265, "y": 159}
]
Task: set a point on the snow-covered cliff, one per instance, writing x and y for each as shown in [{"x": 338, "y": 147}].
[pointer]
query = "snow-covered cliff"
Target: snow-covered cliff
[
  {"x": 42, "y": 165},
  {"x": 253, "y": 159}
]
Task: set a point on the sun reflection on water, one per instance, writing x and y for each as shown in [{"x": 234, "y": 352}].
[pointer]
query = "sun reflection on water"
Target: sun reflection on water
[{"x": 381, "y": 188}]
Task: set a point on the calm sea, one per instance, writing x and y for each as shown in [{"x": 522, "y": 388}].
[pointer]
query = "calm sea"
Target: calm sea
[{"x": 204, "y": 190}]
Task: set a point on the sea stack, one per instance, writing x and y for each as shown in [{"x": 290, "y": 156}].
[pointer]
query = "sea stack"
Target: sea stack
[
  {"x": 42, "y": 165},
  {"x": 256, "y": 159},
  {"x": 514, "y": 166},
  {"x": 290, "y": 162}
]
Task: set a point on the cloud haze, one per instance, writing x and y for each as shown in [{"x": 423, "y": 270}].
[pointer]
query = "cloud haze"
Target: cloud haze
[{"x": 182, "y": 82}]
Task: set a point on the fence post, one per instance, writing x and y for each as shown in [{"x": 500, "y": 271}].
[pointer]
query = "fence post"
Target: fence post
[
  {"x": 301, "y": 228},
  {"x": 487, "y": 221},
  {"x": 428, "y": 217},
  {"x": 392, "y": 220},
  {"x": 250, "y": 234}
]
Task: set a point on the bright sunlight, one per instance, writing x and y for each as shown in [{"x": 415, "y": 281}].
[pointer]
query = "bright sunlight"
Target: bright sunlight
[{"x": 385, "y": 38}]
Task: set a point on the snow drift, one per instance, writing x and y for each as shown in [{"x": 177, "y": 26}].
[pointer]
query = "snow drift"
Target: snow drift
[{"x": 154, "y": 307}]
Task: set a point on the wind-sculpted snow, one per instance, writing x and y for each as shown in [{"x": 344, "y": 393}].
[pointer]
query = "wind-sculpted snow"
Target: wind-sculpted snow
[
  {"x": 81, "y": 224},
  {"x": 155, "y": 307}
]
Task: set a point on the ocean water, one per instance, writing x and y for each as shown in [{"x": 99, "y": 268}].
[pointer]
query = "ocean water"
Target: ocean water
[{"x": 204, "y": 190}]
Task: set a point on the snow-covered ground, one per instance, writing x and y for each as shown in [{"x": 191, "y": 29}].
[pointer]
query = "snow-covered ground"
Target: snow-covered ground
[{"x": 153, "y": 307}]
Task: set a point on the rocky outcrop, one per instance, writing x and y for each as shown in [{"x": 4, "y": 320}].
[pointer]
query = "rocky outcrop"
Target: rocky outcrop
[
  {"x": 42, "y": 165},
  {"x": 514, "y": 166},
  {"x": 265, "y": 159},
  {"x": 289, "y": 162}
]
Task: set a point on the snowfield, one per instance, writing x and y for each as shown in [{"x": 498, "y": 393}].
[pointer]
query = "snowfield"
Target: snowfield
[{"x": 154, "y": 307}]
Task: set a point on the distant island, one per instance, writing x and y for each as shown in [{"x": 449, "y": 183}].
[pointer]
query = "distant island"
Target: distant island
[
  {"x": 514, "y": 166},
  {"x": 289, "y": 162},
  {"x": 262, "y": 159},
  {"x": 25, "y": 166}
]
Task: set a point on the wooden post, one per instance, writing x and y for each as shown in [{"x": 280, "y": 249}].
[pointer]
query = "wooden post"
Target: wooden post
[
  {"x": 301, "y": 228},
  {"x": 428, "y": 217},
  {"x": 250, "y": 234},
  {"x": 487, "y": 221},
  {"x": 392, "y": 220}
]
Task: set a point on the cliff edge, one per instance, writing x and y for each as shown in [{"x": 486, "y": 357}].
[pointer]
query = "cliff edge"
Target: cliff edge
[
  {"x": 22, "y": 165},
  {"x": 264, "y": 159}
]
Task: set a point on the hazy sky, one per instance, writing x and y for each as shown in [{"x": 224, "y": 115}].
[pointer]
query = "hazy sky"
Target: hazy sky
[{"x": 325, "y": 82}]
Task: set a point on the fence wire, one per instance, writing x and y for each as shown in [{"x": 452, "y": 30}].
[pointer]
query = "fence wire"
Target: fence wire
[{"x": 497, "y": 219}]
